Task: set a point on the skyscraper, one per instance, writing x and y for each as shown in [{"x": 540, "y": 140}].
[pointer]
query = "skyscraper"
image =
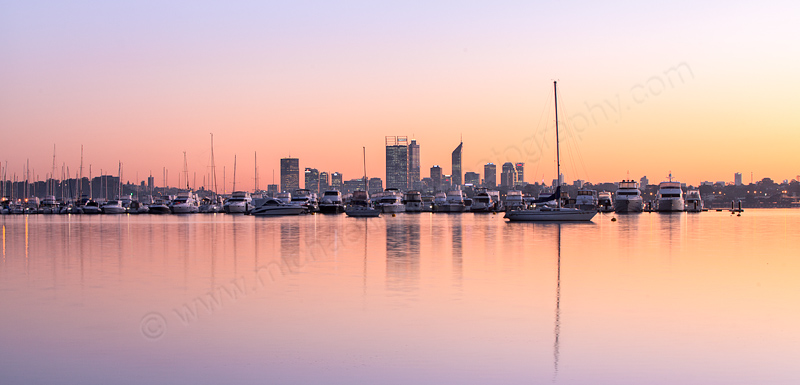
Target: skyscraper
[
  {"x": 472, "y": 178},
  {"x": 397, "y": 162},
  {"x": 490, "y": 175},
  {"x": 290, "y": 174},
  {"x": 737, "y": 179},
  {"x": 336, "y": 181},
  {"x": 413, "y": 163},
  {"x": 520, "y": 168},
  {"x": 312, "y": 180},
  {"x": 508, "y": 177},
  {"x": 457, "y": 175},
  {"x": 436, "y": 177},
  {"x": 324, "y": 184}
]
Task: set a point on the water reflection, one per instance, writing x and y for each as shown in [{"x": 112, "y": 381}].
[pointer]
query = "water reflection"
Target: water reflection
[{"x": 403, "y": 253}]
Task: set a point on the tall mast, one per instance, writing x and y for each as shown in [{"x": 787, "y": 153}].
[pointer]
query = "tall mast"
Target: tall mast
[
  {"x": 558, "y": 152},
  {"x": 186, "y": 170},
  {"x": 234, "y": 172},
  {"x": 80, "y": 179},
  {"x": 366, "y": 185},
  {"x": 53, "y": 173},
  {"x": 256, "y": 171},
  {"x": 213, "y": 168}
]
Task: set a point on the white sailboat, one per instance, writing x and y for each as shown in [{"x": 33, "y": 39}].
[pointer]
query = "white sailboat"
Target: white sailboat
[{"x": 558, "y": 213}]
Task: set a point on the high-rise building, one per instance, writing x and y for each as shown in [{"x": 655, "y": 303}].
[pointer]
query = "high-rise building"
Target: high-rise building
[
  {"x": 737, "y": 179},
  {"x": 520, "y": 168},
  {"x": 457, "y": 174},
  {"x": 643, "y": 183},
  {"x": 508, "y": 177},
  {"x": 472, "y": 178},
  {"x": 436, "y": 177},
  {"x": 397, "y": 162},
  {"x": 324, "y": 183},
  {"x": 312, "y": 180},
  {"x": 290, "y": 174},
  {"x": 413, "y": 163},
  {"x": 336, "y": 181},
  {"x": 375, "y": 185},
  {"x": 490, "y": 175}
]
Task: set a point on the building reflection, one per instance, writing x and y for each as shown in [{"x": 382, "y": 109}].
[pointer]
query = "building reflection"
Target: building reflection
[
  {"x": 290, "y": 244},
  {"x": 458, "y": 249},
  {"x": 403, "y": 252}
]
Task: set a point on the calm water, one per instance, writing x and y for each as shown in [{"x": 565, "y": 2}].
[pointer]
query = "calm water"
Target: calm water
[{"x": 707, "y": 298}]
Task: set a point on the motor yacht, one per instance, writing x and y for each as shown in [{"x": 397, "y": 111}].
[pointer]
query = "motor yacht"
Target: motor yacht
[
  {"x": 361, "y": 206},
  {"x": 185, "y": 203},
  {"x": 693, "y": 201},
  {"x": 275, "y": 207},
  {"x": 413, "y": 201},
  {"x": 238, "y": 203},
  {"x": 670, "y": 196},
  {"x": 331, "y": 202},
  {"x": 628, "y": 197}
]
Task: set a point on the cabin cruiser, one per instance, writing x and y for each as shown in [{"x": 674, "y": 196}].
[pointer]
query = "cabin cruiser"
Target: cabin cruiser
[
  {"x": 454, "y": 202},
  {"x": 113, "y": 206},
  {"x": 137, "y": 207},
  {"x": 439, "y": 201},
  {"x": 628, "y": 197},
  {"x": 331, "y": 202},
  {"x": 514, "y": 200},
  {"x": 273, "y": 206},
  {"x": 604, "y": 202},
  {"x": 586, "y": 199},
  {"x": 209, "y": 206},
  {"x": 238, "y": 203},
  {"x": 670, "y": 196},
  {"x": 482, "y": 202},
  {"x": 286, "y": 197},
  {"x": 693, "y": 201},
  {"x": 391, "y": 202},
  {"x": 360, "y": 206},
  {"x": 413, "y": 201},
  {"x": 185, "y": 203},
  {"x": 49, "y": 205},
  {"x": 305, "y": 198},
  {"x": 159, "y": 205}
]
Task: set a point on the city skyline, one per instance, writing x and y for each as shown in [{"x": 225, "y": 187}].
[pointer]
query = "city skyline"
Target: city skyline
[{"x": 642, "y": 95}]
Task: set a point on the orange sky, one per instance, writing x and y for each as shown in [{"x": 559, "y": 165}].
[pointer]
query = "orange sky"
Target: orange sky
[{"x": 646, "y": 91}]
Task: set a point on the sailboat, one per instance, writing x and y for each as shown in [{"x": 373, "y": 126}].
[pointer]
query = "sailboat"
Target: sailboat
[
  {"x": 546, "y": 213},
  {"x": 360, "y": 205}
]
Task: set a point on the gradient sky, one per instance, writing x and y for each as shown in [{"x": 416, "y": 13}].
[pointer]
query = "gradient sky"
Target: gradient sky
[{"x": 699, "y": 89}]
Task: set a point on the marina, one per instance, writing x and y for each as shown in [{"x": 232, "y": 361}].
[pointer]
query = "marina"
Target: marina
[{"x": 467, "y": 298}]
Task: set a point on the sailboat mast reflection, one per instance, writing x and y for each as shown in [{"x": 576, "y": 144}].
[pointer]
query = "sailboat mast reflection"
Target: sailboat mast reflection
[{"x": 557, "y": 329}]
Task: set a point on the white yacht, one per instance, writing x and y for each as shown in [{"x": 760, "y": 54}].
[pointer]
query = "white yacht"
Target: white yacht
[
  {"x": 49, "y": 205},
  {"x": 305, "y": 198},
  {"x": 238, "y": 203},
  {"x": 113, "y": 206},
  {"x": 514, "y": 200},
  {"x": 391, "y": 202},
  {"x": 604, "y": 202},
  {"x": 210, "y": 205},
  {"x": 159, "y": 205},
  {"x": 413, "y": 201},
  {"x": 285, "y": 197},
  {"x": 693, "y": 201},
  {"x": 670, "y": 196},
  {"x": 331, "y": 202},
  {"x": 628, "y": 197},
  {"x": 274, "y": 206},
  {"x": 586, "y": 199},
  {"x": 482, "y": 202},
  {"x": 439, "y": 201},
  {"x": 454, "y": 202},
  {"x": 360, "y": 206},
  {"x": 185, "y": 203}
]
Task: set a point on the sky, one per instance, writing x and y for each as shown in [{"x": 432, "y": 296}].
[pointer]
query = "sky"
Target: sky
[{"x": 697, "y": 89}]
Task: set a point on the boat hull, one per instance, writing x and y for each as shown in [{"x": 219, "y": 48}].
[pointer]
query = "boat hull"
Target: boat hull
[
  {"x": 277, "y": 211},
  {"x": 670, "y": 205},
  {"x": 158, "y": 209},
  {"x": 393, "y": 208},
  {"x": 628, "y": 206},
  {"x": 363, "y": 212},
  {"x": 331, "y": 208},
  {"x": 550, "y": 215}
]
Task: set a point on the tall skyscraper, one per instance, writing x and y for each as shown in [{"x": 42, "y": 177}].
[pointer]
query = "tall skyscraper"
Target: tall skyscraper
[
  {"x": 336, "y": 181},
  {"x": 520, "y": 168},
  {"x": 324, "y": 183},
  {"x": 312, "y": 180},
  {"x": 508, "y": 177},
  {"x": 397, "y": 162},
  {"x": 643, "y": 183},
  {"x": 737, "y": 179},
  {"x": 375, "y": 185},
  {"x": 436, "y": 177},
  {"x": 290, "y": 174},
  {"x": 489, "y": 175},
  {"x": 413, "y": 163},
  {"x": 457, "y": 174}
]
